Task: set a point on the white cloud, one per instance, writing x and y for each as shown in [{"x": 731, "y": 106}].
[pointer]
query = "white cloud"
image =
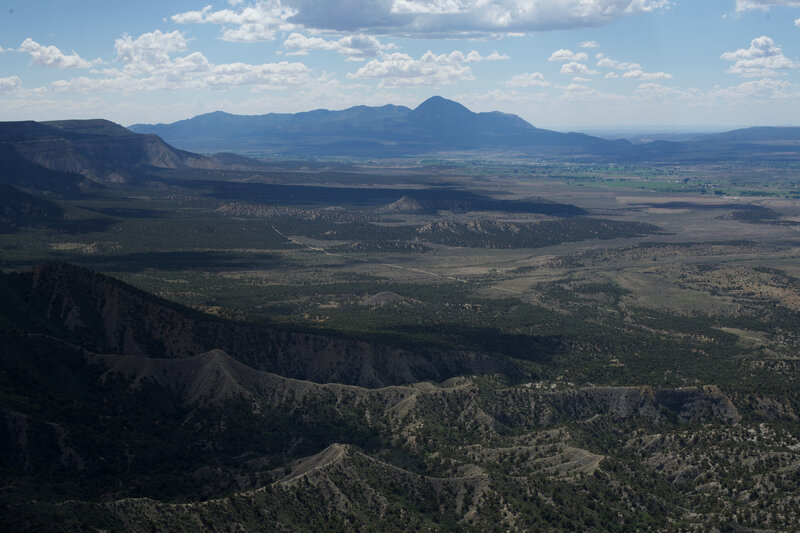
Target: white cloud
[
  {"x": 401, "y": 70},
  {"x": 300, "y": 44},
  {"x": 590, "y": 44},
  {"x": 427, "y": 7},
  {"x": 149, "y": 63},
  {"x": 268, "y": 75},
  {"x": 647, "y": 76},
  {"x": 797, "y": 23},
  {"x": 434, "y": 18},
  {"x": 762, "y": 59},
  {"x": 194, "y": 72},
  {"x": 496, "y": 56},
  {"x": 764, "y": 5},
  {"x": 191, "y": 17},
  {"x": 607, "y": 62},
  {"x": 577, "y": 68},
  {"x": 567, "y": 55},
  {"x": 258, "y": 22},
  {"x": 50, "y": 56},
  {"x": 353, "y": 47},
  {"x": 149, "y": 51},
  {"x": 2, "y": 50},
  {"x": 12, "y": 86},
  {"x": 528, "y": 79},
  {"x": 611, "y": 75},
  {"x": 752, "y": 92},
  {"x": 580, "y": 92},
  {"x": 580, "y": 79},
  {"x": 12, "y": 83}
]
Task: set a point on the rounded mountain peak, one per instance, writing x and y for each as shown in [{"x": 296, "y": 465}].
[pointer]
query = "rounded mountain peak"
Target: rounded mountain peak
[{"x": 438, "y": 106}]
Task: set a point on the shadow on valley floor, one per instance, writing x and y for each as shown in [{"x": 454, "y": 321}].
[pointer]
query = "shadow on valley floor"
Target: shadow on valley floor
[
  {"x": 182, "y": 260},
  {"x": 533, "y": 348},
  {"x": 125, "y": 212},
  {"x": 431, "y": 199}
]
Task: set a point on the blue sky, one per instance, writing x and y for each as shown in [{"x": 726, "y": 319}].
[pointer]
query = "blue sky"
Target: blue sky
[{"x": 563, "y": 64}]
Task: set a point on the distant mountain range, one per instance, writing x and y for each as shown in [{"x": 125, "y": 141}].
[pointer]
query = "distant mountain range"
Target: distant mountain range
[
  {"x": 436, "y": 125},
  {"x": 64, "y": 157},
  {"x": 439, "y": 125}
]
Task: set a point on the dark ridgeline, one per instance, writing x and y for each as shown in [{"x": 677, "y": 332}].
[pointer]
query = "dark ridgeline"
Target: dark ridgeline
[{"x": 63, "y": 156}]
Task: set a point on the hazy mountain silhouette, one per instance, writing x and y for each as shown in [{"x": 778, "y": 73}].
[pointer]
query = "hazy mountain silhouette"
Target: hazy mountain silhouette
[
  {"x": 436, "y": 125},
  {"x": 442, "y": 125}
]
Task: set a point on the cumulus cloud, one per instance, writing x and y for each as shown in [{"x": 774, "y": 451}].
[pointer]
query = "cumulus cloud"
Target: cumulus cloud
[
  {"x": 149, "y": 51},
  {"x": 567, "y": 55},
  {"x": 576, "y": 68},
  {"x": 401, "y": 70},
  {"x": 435, "y": 18},
  {"x": 764, "y": 5},
  {"x": 640, "y": 75},
  {"x": 51, "y": 56},
  {"x": 528, "y": 79},
  {"x": 763, "y": 59},
  {"x": 258, "y": 22},
  {"x": 12, "y": 83},
  {"x": 607, "y": 62},
  {"x": 497, "y": 56},
  {"x": 12, "y": 86},
  {"x": 797, "y": 23},
  {"x": 353, "y": 47},
  {"x": 268, "y": 75},
  {"x": 150, "y": 63},
  {"x": 590, "y": 44}
]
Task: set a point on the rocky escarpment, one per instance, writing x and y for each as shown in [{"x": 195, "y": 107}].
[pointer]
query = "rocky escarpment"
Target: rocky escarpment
[
  {"x": 527, "y": 408},
  {"x": 215, "y": 377},
  {"x": 96, "y": 149},
  {"x": 346, "y": 486},
  {"x": 689, "y": 404},
  {"x": 352, "y": 489},
  {"x": 247, "y": 447},
  {"x": 105, "y": 315}
]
